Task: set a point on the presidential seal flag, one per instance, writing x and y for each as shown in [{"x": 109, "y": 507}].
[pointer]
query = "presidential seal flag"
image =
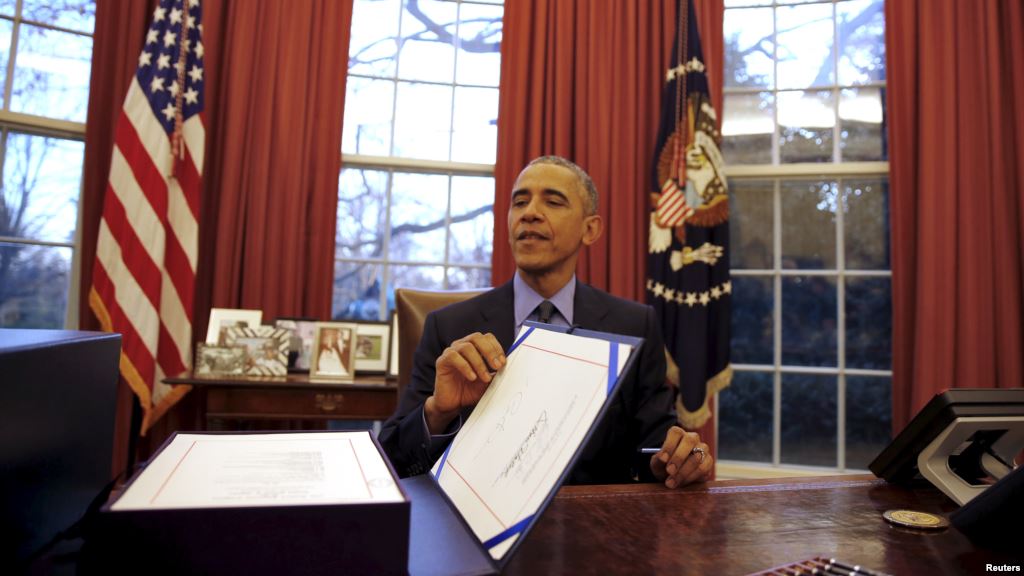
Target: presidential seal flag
[
  {"x": 687, "y": 264},
  {"x": 146, "y": 251}
]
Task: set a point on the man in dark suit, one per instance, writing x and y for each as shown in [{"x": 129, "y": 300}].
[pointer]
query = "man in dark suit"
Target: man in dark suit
[{"x": 553, "y": 214}]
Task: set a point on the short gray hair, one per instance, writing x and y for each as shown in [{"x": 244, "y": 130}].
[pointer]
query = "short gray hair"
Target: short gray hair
[{"x": 586, "y": 183}]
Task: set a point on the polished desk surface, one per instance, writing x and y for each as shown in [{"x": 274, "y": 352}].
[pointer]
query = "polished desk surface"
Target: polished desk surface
[{"x": 742, "y": 527}]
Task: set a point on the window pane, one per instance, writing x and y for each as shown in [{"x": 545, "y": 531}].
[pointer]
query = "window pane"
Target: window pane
[
  {"x": 868, "y": 419},
  {"x": 809, "y": 225},
  {"x": 374, "y": 42},
  {"x": 368, "y": 108},
  {"x": 866, "y": 219},
  {"x": 805, "y": 46},
  {"x": 861, "y": 25},
  {"x": 421, "y": 277},
  {"x": 747, "y": 128},
  {"x": 809, "y": 321},
  {"x": 6, "y": 27},
  {"x": 428, "y": 43},
  {"x": 42, "y": 179},
  {"x": 862, "y": 137},
  {"x": 475, "y": 137},
  {"x": 752, "y": 307},
  {"x": 749, "y": 48},
  {"x": 356, "y": 291},
  {"x": 468, "y": 278},
  {"x": 419, "y": 204},
  {"x": 7, "y": 7},
  {"x": 809, "y": 420},
  {"x": 74, "y": 14},
  {"x": 51, "y": 77},
  {"x": 745, "y": 418},
  {"x": 34, "y": 283},
  {"x": 362, "y": 204},
  {"x": 479, "y": 57},
  {"x": 472, "y": 229},
  {"x": 732, "y": 3},
  {"x": 806, "y": 120},
  {"x": 750, "y": 224},
  {"x": 869, "y": 323},
  {"x": 423, "y": 121}
]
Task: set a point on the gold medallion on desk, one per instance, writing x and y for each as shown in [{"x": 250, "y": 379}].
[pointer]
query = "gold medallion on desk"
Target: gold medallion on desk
[{"x": 915, "y": 519}]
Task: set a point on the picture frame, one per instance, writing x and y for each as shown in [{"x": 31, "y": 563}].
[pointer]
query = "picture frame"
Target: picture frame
[
  {"x": 333, "y": 356},
  {"x": 301, "y": 341},
  {"x": 266, "y": 349},
  {"x": 393, "y": 349},
  {"x": 213, "y": 360},
  {"x": 373, "y": 340},
  {"x": 222, "y": 318}
]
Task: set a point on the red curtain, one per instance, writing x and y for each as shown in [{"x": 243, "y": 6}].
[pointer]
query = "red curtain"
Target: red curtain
[
  {"x": 956, "y": 130},
  {"x": 275, "y": 87},
  {"x": 582, "y": 79},
  {"x": 276, "y": 98}
]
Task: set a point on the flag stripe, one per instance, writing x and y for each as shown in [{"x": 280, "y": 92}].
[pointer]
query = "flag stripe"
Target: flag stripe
[
  {"x": 182, "y": 276},
  {"x": 139, "y": 312},
  {"x": 132, "y": 345},
  {"x": 195, "y": 140},
  {"x": 188, "y": 176},
  {"x": 182, "y": 223},
  {"x": 138, "y": 170},
  {"x": 133, "y": 252}
]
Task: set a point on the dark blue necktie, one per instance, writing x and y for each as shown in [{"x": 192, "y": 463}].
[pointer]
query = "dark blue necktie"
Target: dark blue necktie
[{"x": 544, "y": 311}]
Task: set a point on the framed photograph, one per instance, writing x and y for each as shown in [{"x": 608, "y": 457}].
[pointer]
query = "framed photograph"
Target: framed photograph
[
  {"x": 301, "y": 342},
  {"x": 393, "y": 349},
  {"x": 373, "y": 340},
  {"x": 222, "y": 318},
  {"x": 219, "y": 361},
  {"x": 334, "y": 346},
  {"x": 266, "y": 349}
]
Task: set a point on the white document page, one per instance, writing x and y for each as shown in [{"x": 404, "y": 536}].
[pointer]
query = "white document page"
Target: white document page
[
  {"x": 235, "y": 470},
  {"x": 515, "y": 445}
]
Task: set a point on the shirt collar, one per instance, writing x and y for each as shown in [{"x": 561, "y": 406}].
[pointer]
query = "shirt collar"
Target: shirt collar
[{"x": 526, "y": 299}]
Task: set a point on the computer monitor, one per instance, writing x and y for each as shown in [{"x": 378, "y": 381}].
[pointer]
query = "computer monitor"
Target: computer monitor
[
  {"x": 57, "y": 402},
  {"x": 898, "y": 462}
]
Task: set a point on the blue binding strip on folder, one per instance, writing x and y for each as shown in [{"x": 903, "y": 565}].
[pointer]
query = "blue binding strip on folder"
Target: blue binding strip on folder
[
  {"x": 444, "y": 458},
  {"x": 509, "y": 532},
  {"x": 613, "y": 365},
  {"x": 520, "y": 340}
]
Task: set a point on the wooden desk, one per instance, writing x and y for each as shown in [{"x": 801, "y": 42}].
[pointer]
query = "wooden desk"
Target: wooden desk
[
  {"x": 740, "y": 527},
  {"x": 294, "y": 397}
]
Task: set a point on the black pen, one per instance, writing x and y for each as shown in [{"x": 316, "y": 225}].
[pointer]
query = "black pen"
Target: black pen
[{"x": 858, "y": 569}]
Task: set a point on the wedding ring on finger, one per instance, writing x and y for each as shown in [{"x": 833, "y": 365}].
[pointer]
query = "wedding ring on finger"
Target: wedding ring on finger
[{"x": 699, "y": 450}]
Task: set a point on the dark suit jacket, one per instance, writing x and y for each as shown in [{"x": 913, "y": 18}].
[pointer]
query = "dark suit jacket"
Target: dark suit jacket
[{"x": 640, "y": 414}]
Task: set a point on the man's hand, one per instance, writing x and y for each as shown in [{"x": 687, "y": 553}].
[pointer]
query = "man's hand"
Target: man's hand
[
  {"x": 683, "y": 459},
  {"x": 464, "y": 371}
]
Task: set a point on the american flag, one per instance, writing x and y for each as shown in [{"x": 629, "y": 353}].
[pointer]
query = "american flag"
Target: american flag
[{"x": 144, "y": 277}]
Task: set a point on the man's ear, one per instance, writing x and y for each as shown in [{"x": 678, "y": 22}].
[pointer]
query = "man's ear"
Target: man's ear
[{"x": 592, "y": 228}]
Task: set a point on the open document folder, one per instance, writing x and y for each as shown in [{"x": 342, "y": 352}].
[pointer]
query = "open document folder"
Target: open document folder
[
  {"x": 261, "y": 503},
  {"x": 521, "y": 440}
]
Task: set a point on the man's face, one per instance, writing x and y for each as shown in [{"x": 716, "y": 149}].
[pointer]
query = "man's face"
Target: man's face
[{"x": 547, "y": 220}]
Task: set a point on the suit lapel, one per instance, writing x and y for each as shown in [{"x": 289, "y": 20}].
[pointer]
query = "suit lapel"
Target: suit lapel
[
  {"x": 498, "y": 315},
  {"x": 588, "y": 313}
]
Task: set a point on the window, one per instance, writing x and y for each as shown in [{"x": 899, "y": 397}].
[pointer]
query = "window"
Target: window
[
  {"x": 416, "y": 191},
  {"x": 45, "y": 68},
  {"x": 805, "y": 145}
]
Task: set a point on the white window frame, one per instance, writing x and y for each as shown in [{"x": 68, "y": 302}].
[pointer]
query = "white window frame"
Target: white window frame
[
  {"x": 51, "y": 128},
  {"x": 777, "y": 173}
]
